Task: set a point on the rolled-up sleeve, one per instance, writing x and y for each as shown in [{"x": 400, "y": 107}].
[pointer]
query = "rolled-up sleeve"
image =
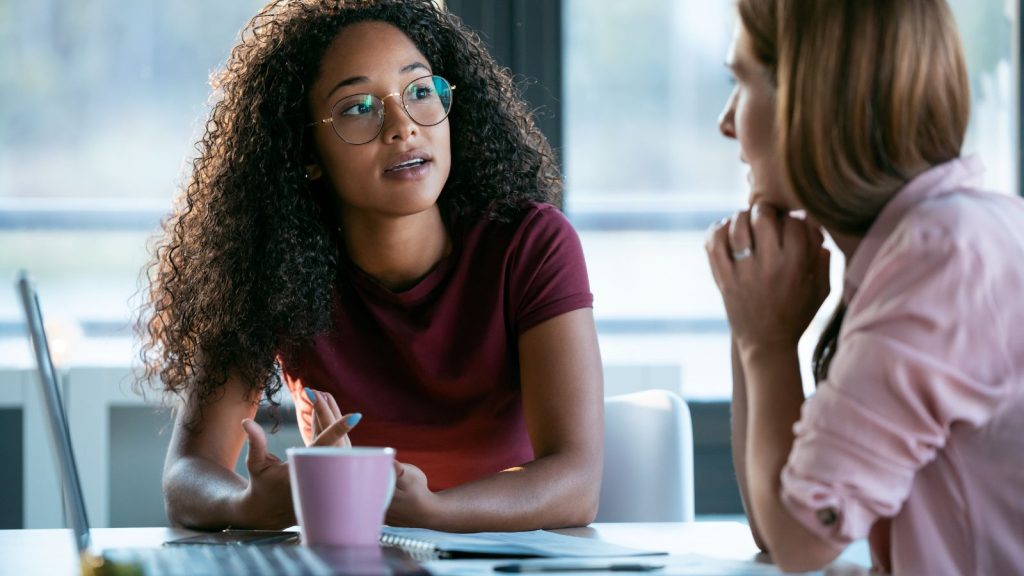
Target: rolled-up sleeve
[{"x": 919, "y": 353}]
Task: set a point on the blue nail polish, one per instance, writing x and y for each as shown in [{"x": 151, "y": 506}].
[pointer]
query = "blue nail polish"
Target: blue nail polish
[
  {"x": 352, "y": 419},
  {"x": 310, "y": 395}
]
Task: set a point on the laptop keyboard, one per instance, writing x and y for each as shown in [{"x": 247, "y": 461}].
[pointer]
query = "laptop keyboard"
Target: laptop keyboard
[{"x": 221, "y": 560}]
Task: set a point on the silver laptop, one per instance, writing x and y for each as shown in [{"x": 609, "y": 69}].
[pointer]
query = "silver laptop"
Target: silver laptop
[{"x": 197, "y": 559}]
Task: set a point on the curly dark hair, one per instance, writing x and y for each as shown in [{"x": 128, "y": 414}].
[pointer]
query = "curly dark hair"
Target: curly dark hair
[{"x": 245, "y": 269}]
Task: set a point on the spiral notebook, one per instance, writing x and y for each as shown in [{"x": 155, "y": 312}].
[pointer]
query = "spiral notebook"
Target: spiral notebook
[{"x": 425, "y": 544}]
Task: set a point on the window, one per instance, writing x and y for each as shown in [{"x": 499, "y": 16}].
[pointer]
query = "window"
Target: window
[
  {"x": 647, "y": 170},
  {"x": 102, "y": 102}
]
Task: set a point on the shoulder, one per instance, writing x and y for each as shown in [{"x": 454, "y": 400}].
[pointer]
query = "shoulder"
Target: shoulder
[
  {"x": 544, "y": 234},
  {"x": 947, "y": 241},
  {"x": 544, "y": 220},
  {"x": 953, "y": 256},
  {"x": 535, "y": 222},
  {"x": 546, "y": 269},
  {"x": 965, "y": 219},
  {"x": 944, "y": 285},
  {"x": 967, "y": 236}
]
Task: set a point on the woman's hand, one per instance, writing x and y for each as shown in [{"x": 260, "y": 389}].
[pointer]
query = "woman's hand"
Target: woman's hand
[
  {"x": 413, "y": 503},
  {"x": 330, "y": 427},
  {"x": 267, "y": 500},
  {"x": 773, "y": 273}
]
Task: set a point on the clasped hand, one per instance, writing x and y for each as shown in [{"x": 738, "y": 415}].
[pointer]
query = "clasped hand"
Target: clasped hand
[{"x": 772, "y": 272}]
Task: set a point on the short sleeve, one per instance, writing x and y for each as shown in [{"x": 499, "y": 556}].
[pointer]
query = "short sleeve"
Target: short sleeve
[
  {"x": 918, "y": 354},
  {"x": 547, "y": 272}
]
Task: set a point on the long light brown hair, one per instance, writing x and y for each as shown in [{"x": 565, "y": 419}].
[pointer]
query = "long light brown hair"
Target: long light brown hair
[{"x": 870, "y": 94}]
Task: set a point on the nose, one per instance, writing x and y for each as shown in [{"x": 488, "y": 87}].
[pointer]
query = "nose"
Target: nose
[
  {"x": 727, "y": 120},
  {"x": 398, "y": 126}
]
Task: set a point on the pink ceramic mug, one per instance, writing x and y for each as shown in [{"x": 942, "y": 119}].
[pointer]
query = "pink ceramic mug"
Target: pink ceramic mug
[{"x": 341, "y": 494}]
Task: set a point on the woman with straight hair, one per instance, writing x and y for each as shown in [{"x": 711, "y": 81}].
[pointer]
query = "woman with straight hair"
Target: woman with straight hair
[{"x": 854, "y": 111}]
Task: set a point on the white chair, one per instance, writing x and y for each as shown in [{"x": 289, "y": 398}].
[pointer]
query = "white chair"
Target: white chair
[{"x": 648, "y": 459}]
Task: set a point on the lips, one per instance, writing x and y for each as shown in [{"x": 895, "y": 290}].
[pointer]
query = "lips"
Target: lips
[{"x": 407, "y": 161}]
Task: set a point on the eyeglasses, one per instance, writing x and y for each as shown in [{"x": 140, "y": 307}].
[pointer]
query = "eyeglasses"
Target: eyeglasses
[{"x": 359, "y": 118}]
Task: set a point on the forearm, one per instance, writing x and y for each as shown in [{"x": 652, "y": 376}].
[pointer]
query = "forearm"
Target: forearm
[
  {"x": 556, "y": 491},
  {"x": 739, "y": 442},
  {"x": 562, "y": 390},
  {"x": 775, "y": 396},
  {"x": 203, "y": 495}
]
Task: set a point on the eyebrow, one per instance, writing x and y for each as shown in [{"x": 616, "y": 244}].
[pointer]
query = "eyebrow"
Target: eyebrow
[{"x": 353, "y": 80}]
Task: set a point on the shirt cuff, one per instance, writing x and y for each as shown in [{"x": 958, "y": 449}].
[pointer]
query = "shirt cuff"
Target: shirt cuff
[{"x": 822, "y": 510}]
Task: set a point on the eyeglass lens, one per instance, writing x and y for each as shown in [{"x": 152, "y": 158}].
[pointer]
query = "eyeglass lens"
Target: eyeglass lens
[{"x": 357, "y": 119}]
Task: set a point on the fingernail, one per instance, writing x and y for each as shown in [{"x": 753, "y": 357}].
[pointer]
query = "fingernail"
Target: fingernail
[
  {"x": 352, "y": 419},
  {"x": 311, "y": 395}
]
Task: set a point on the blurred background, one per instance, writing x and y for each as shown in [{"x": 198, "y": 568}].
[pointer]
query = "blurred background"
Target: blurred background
[{"x": 101, "y": 102}]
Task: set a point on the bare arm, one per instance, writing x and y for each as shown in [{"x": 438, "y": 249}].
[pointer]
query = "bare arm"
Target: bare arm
[
  {"x": 739, "y": 441},
  {"x": 201, "y": 488},
  {"x": 787, "y": 256},
  {"x": 563, "y": 401},
  {"x": 775, "y": 400}
]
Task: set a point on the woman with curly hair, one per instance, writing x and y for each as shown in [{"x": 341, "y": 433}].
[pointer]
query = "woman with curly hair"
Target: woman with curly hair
[{"x": 369, "y": 222}]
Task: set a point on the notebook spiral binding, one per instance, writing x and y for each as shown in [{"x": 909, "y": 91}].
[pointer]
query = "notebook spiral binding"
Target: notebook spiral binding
[{"x": 418, "y": 550}]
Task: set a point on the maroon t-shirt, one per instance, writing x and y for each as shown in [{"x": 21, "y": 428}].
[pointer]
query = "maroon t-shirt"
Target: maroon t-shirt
[{"x": 435, "y": 369}]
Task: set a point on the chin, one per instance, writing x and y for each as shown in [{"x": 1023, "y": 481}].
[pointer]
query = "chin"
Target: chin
[
  {"x": 408, "y": 204},
  {"x": 770, "y": 198}
]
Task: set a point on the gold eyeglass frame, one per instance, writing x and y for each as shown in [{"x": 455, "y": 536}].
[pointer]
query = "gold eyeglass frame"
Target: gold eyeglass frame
[{"x": 383, "y": 112}]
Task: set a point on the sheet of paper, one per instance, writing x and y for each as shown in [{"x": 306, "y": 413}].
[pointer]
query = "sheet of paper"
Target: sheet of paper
[{"x": 537, "y": 542}]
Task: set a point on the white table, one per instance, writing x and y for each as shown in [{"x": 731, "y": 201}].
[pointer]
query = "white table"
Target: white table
[{"x": 695, "y": 548}]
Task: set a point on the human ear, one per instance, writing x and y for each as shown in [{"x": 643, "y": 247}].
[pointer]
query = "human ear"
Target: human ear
[
  {"x": 311, "y": 158},
  {"x": 313, "y": 171}
]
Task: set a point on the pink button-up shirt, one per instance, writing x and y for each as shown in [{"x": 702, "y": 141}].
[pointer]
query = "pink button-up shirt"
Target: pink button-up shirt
[{"x": 917, "y": 435}]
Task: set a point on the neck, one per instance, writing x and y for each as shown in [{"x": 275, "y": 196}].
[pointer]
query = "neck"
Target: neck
[
  {"x": 847, "y": 243},
  {"x": 396, "y": 251}
]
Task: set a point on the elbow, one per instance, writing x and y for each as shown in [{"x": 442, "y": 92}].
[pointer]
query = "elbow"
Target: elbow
[
  {"x": 174, "y": 519},
  {"x": 176, "y": 516},
  {"x": 582, "y": 514},
  {"x": 180, "y": 514},
  {"x": 764, "y": 555},
  {"x": 180, "y": 505},
  {"x": 758, "y": 540},
  {"x": 799, "y": 566},
  {"x": 586, "y": 501},
  {"x": 586, "y": 511},
  {"x": 803, "y": 558},
  {"x": 173, "y": 506},
  {"x": 576, "y": 511},
  {"x": 588, "y": 494},
  {"x": 577, "y": 504}
]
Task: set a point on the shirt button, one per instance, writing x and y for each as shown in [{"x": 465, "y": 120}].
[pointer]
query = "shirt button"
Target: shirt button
[{"x": 827, "y": 516}]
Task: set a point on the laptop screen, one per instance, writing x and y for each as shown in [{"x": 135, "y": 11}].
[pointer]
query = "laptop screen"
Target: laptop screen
[{"x": 55, "y": 416}]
